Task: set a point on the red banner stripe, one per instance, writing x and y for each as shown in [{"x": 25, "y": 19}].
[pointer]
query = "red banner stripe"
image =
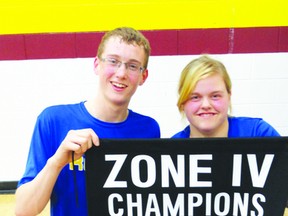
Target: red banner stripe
[{"x": 163, "y": 42}]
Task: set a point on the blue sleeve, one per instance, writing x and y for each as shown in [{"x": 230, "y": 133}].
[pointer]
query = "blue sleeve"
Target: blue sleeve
[
  {"x": 39, "y": 152},
  {"x": 264, "y": 129},
  {"x": 183, "y": 134},
  {"x": 250, "y": 127}
]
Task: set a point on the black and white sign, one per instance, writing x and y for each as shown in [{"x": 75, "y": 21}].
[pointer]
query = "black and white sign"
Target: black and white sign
[{"x": 188, "y": 177}]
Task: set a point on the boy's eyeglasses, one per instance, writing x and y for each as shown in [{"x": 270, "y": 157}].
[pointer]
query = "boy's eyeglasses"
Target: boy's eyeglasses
[{"x": 114, "y": 63}]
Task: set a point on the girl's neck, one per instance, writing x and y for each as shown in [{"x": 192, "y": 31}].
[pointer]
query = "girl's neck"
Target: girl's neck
[{"x": 221, "y": 131}]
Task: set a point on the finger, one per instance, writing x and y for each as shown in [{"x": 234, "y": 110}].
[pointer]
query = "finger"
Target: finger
[
  {"x": 84, "y": 138},
  {"x": 77, "y": 148},
  {"x": 95, "y": 138},
  {"x": 80, "y": 138},
  {"x": 83, "y": 142}
]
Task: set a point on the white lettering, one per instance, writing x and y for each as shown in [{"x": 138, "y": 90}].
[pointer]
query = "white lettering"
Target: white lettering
[
  {"x": 237, "y": 168},
  {"x": 192, "y": 204},
  {"x": 111, "y": 208},
  {"x": 259, "y": 178},
  {"x": 241, "y": 204},
  {"x": 135, "y": 171},
  {"x": 152, "y": 206},
  {"x": 208, "y": 204},
  {"x": 217, "y": 204},
  {"x": 111, "y": 180},
  {"x": 167, "y": 166},
  {"x": 257, "y": 205},
  {"x": 195, "y": 170},
  {"x": 137, "y": 204},
  {"x": 169, "y": 210}
]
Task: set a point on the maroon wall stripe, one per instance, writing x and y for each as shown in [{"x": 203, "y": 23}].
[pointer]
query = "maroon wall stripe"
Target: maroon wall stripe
[{"x": 163, "y": 42}]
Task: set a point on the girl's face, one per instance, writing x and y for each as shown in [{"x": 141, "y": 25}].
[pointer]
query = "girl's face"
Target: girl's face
[{"x": 207, "y": 108}]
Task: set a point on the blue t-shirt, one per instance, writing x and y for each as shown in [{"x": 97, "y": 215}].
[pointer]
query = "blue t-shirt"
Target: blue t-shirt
[
  {"x": 241, "y": 127},
  {"x": 52, "y": 127}
]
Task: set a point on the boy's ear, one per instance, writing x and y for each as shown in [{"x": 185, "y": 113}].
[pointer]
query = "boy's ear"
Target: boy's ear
[
  {"x": 96, "y": 63},
  {"x": 144, "y": 77}
]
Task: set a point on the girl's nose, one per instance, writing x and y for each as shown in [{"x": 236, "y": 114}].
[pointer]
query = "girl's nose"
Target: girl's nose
[{"x": 206, "y": 103}]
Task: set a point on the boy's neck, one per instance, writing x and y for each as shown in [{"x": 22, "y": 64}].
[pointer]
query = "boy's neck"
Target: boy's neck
[{"x": 106, "y": 112}]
